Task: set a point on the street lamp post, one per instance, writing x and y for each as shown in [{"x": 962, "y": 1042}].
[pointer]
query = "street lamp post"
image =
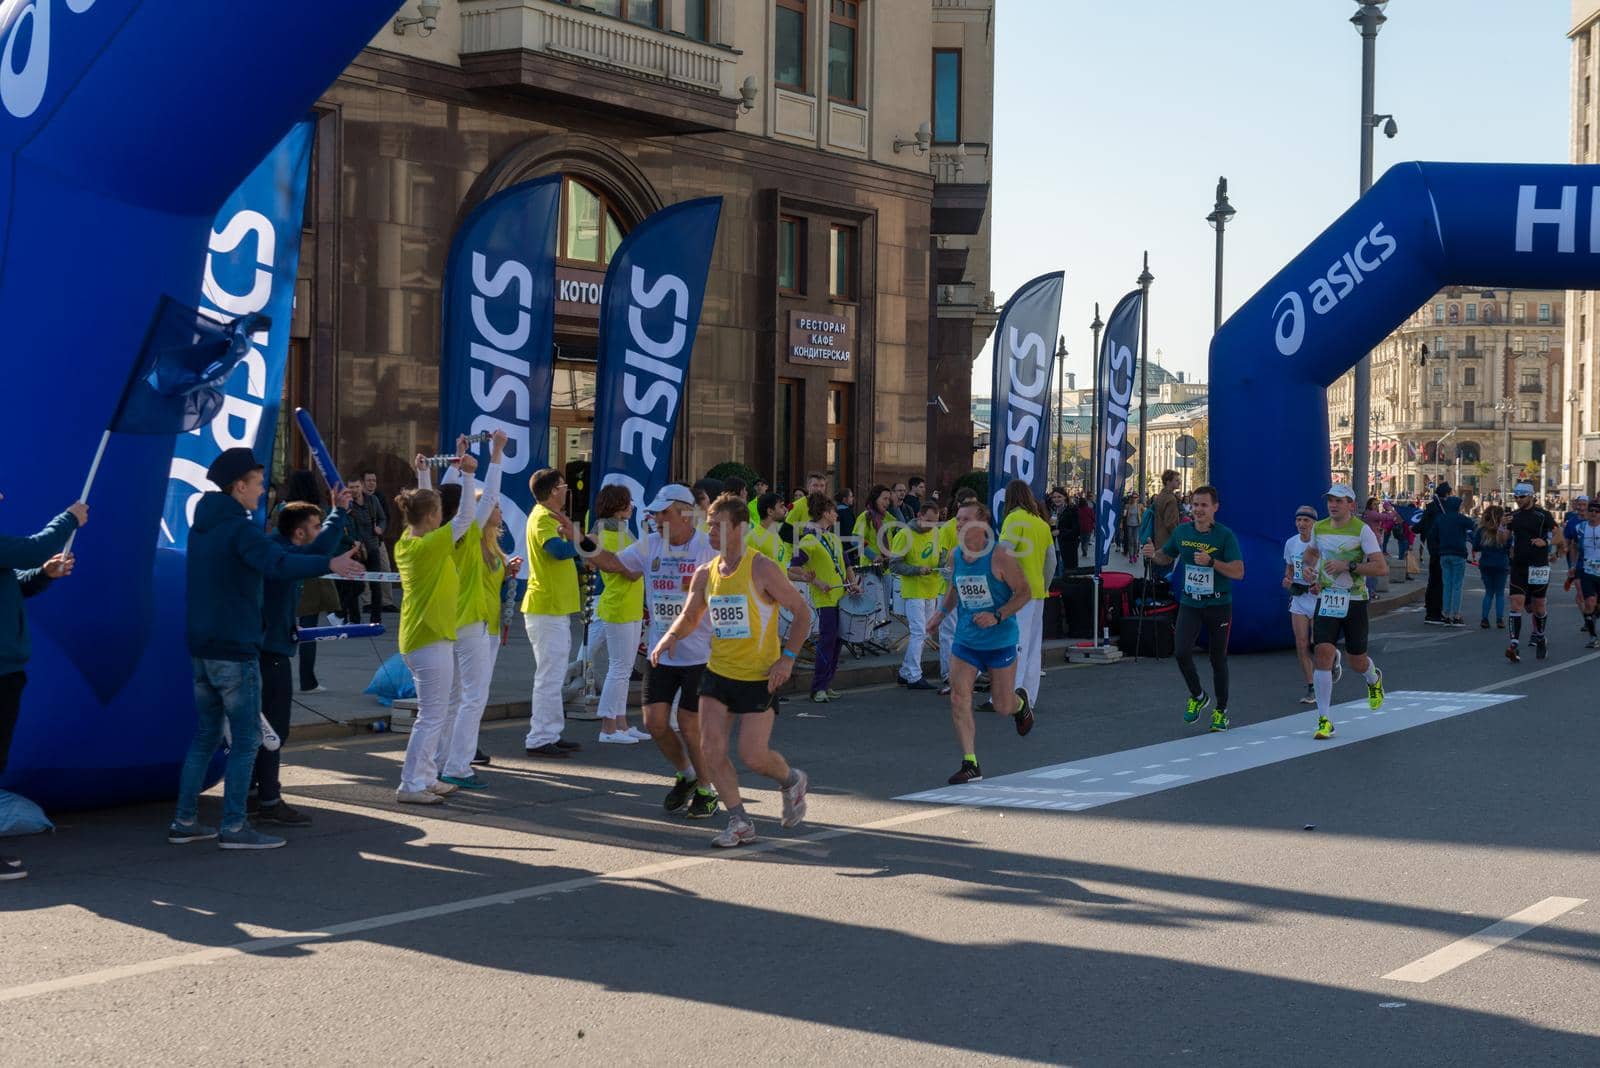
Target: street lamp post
[
  {"x": 1145, "y": 278},
  {"x": 1571, "y": 461},
  {"x": 1221, "y": 214},
  {"x": 1061, "y": 396},
  {"x": 1368, "y": 19},
  {"x": 1504, "y": 407}
]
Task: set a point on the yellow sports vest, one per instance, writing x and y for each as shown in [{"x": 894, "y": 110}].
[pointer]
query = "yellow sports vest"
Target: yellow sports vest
[
  {"x": 919, "y": 548},
  {"x": 744, "y": 625},
  {"x": 621, "y": 601},
  {"x": 552, "y": 583},
  {"x": 825, "y": 559},
  {"x": 428, "y": 579},
  {"x": 771, "y": 545},
  {"x": 468, "y": 554},
  {"x": 1029, "y": 537}
]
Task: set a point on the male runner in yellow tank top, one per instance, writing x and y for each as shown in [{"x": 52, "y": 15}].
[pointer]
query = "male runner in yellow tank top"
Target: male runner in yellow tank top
[{"x": 743, "y": 590}]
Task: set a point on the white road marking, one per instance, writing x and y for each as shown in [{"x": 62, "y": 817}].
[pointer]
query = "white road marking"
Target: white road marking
[
  {"x": 1259, "y": 744},
  {"x": 1474, "y": 946},
  {"x": 449, "y": 908}
]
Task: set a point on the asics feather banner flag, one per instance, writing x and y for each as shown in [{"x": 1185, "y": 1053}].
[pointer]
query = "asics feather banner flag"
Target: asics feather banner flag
[
  {"x": 1113, "y": 393},
  {"x": 252, "y": 260},
  {"x": 1019, "y": 420},
  {"x": 649, "y": 313},
  {"x": 498, "y": 359}
]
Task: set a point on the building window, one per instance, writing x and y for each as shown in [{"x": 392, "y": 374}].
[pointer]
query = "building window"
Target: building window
[
  {"x": 1472, "y": 343},
  {"x": 1530, "y": 413},
  {"x": 947, "y": 96},
  {"x": 1438, "y": 313},
  {"x": 1469, "y": 411},
  {"x": 1438, "y": 412},
  {"x": 836, "y": 458},
  {"x": 1544, "y": 313},
  {"x": 1544, "y": 342},
  {"x": 1516, "y": 342},
  {"x": 843, "y": 259},
  {"x": 1438, "y": 377},
  {"x": 1469, "y": 377},
  {"x": 791, "y": 254},
  {"x": 697, "y": 19},
  {"x": 787, "y": 442},
  {"x": 1472, "y": 313},
  {"x": 789, "y": 59},
  {"x": 590, "y": 230},
  {"x": 644, "y": 12},
  {"x": 1530, "y": 379},
  {"x": 1455, "y": 314},
  {"x": 1519, "y": 313},
  {"x": 843, "y": 32}
]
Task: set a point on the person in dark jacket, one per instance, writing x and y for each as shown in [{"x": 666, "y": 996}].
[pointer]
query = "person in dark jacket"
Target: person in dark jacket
[
  {"x": 228, "y": 558},
  {"x": 27, "y": 567},
  {"x": 297, "y": 531},
  {"x": 1434, "y": 598},
  {"x": 1453, "y": 533}
]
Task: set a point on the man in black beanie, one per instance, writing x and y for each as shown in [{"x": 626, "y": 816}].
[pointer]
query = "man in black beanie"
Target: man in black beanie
[{"x": 229, "y": 556}]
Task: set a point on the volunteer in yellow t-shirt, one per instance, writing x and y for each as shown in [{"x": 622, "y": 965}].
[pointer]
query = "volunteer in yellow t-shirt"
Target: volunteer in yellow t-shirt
[
  {"x": 620, "y": 615},
  {"x": 425, "y": 558},
  {"x": 918, "y": 559},
  {"x": 547, "y": 610},
  {"x": 800, "y": 510},
  {"x": 819, "y": 558},
  {"x": 1026, "y": 532}
]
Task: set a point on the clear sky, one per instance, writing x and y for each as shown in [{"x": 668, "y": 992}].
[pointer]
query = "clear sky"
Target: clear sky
[{"x": 1113, "y": 119}]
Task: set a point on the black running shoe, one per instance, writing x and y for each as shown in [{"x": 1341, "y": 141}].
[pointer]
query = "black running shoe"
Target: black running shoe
[
  {"x": 283, "y": 815},
  {"x": 11, "y": 868},
  {"x": 480, "y": 759},
  {"x": 704, "y": 805},
  {"x": 1540, "y": 648},
  {"x": 680, "y": 793},
  {"x": 968, "y": 773},
  {"x": 1023, "y": 716}
]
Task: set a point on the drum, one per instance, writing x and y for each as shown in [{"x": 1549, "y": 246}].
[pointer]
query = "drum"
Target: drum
[
  {"x": 897, "y": 603},
  {"x": 786, "y": 617},
  {"x": 859, "y": 612}
]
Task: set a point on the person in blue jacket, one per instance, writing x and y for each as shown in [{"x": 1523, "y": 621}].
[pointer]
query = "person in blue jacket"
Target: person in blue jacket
[
  {"x": 300, "y": 528},
  {"x": 27, "y": 567},
  {"x": 229, "y": 557},
  {"x": 1452, "y": 532}
]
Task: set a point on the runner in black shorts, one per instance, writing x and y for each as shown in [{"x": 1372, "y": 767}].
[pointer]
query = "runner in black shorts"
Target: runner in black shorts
[
  {"x": 741, "y": 698},
  {"x": 1343, "y": 552},
  {"x": 1586, "y": 567},
  {"x": 667, "y": 561},
  {"x": 1534, "y": 532}
]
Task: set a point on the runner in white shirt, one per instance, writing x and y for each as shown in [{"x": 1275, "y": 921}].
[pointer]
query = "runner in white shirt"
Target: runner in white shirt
[
  {"x": 1298, "y": 580},
  {"x": 667, "y": 561}
]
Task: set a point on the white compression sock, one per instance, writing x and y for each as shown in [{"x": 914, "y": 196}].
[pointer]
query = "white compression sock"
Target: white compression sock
[
  {"x": 1323, "y": 681},
  {"x": 1371, "y": 674}
]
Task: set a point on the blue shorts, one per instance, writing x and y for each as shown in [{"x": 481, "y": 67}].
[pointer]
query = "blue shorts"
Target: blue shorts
[{"x": 985, "y": 659}]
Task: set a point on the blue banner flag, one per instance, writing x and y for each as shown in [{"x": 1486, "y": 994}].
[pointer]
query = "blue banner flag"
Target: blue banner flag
[
  {"x": 498, "y": 355},
  {"x": 649, "y": 313},
  {"x": 177, "y": 384},
  {"x": 252, "y": 260},
  {"x": 1019, "y": 428},
  {"x": 1113, "y": 392}
]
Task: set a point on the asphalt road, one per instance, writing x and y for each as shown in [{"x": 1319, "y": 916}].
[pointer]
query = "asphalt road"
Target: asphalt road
[{"x": 561, "y": 917}]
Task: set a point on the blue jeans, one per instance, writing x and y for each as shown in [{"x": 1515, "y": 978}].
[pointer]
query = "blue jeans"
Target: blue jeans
[
  {"x": 1454, "y": 570},
  {"x": 1494, "y": 591},
  {"x": 231, "y": 690}
]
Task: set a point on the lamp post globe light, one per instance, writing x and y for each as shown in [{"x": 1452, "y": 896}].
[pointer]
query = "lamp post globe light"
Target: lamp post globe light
[{"x": 1221, "y": 214}]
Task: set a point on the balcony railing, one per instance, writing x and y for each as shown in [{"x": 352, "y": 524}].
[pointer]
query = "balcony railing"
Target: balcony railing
[
  {"x": 1530, "y": 387},
  {"x": 545, "y": 26},
  {"x": 951, "y": 166}
]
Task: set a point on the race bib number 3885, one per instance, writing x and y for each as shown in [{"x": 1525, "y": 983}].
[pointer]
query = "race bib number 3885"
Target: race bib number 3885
[{"x": 730, "y": 616}]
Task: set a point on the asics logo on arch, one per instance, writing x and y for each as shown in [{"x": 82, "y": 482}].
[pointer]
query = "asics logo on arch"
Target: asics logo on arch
[
  {"x": 1347, "y": 272},
  {"x": 23, "y": 80}
]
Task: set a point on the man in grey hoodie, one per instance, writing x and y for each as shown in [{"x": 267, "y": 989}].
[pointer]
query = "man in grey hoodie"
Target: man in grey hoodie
[{"x": 27, "y": 567}]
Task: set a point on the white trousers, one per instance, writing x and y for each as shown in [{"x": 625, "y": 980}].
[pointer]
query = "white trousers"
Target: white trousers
[
  {"x": 551, "y": 639},
  {"x": 622, "y": 648},
  {"x": 433, "y": 668},
  {"x": 918, "y": 611},
  {"x": 476, "y": 653},
  {"x": 1030, "y": 647},
  {"x": 947, "y": 638}
]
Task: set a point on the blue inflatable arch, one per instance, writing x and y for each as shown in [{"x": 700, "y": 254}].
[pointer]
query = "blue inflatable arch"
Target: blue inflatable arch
[
  {"x": 124, "y": 125},
  {"x": 1422, "y": 227}
]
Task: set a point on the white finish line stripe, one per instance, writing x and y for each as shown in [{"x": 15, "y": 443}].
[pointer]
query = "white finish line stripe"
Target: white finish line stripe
[
  {"x": 448, "y": 908},
  {"x": 1472, "y": 947},
  {"x": 1201, "y": 756}
]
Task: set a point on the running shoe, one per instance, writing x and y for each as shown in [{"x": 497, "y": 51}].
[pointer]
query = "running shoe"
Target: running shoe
[
  {"x": 642, "y": 735},
  {"x": 1311, "y": 696},
  {"x": 1593, "y": 643},
  {"x": 834, "y": 695},
  {"x": 1196, "y": 705},
  {"x": 1324, "y": 729},
  {"x": 944, "y": 691},
  {"x": 247, "y": 837},
  {"x": 987, "y": 706},
  {"x": 704, "y": 805},
  {"x": 968, "y": 772},
  {"x": 617, "y": 738},
  {"x": 1484, "y": 623},
  {"x": 680, "y": 793},
  {"x": 184, "y": 833},
  {"x": 1023, "y": 716},
  {"x": 480, "y": 759},
  {"x": 1338, "y": 666},
  {"x": 283, "y": 815},
  {"x": 820, "y": 697},
  {"x": 9, "y": 861},
  {"x": 1219, "y": 721},
  {"x": 11, "y": 868},
  {"x": 418, "y": 797},
  {"x": 1512, "y": 654},
  {"x": 442, "y": 788},
  {"x": 1540, "y": 648},
  {"x": 794, "y": 800},
  {"x": 920, "y": 684},
  {"x": 1375, "y": 693},
  {"x": 738, "y": 832},
  {"x": 466, "y": 782}
]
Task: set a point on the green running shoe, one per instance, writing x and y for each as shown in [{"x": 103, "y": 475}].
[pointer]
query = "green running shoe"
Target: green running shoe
[
  {"x": 1196, "y": 706},
  {"x": 1324, "y": 729},
  {"x": 1375, "y": 693},
  {"x": 1219, "y": 721}
]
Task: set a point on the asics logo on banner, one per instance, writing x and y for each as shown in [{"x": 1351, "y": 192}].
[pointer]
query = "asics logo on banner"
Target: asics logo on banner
[
  {"x": 1347, "y": 272},
  {"x": 654, "y": 378},
  {"x": 498, "y": 377},
  {"x": 1027, "y": 362},
  {"x": 1119, "y": 382},
  {"x": 24, "y": 79}
]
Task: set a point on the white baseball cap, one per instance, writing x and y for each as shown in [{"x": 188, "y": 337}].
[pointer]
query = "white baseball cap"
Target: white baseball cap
[
  {"x": 670, "y": 495},
  {"x": 1339, "y": 489}
]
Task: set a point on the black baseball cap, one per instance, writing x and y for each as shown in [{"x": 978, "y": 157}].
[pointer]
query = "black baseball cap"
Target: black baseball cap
[{"x": 231, "y": 466}]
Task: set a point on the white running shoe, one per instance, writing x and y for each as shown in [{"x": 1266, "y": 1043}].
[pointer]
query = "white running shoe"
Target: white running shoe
[
  {"x": 417, "y": 797},
  {"x": 643, "y": 736},
  {"x": 617, "y": 738},
  {"x": 442, "y": 789},
  {"x": 738, "y": 832}
]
